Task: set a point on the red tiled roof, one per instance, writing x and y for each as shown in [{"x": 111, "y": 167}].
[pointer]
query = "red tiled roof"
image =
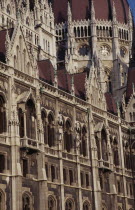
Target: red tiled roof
[
  {"x": 46, "y": 71},
  {"x": 111, "y": 105},
  {"x": 64, "y": 80},
  {"x": 81, "y": 9},
  {"x": 130, "y": 82},
  {"x": 2, "y": 43},
  {"x": 79, "y": 83}
]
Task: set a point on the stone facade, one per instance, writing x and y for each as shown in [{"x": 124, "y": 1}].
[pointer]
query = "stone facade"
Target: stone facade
[{"x": 64, "y": 143}]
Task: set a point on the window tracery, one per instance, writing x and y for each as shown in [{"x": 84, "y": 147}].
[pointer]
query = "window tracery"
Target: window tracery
[
  {"x": 26, "y": 202},
  {"x": 31, "y": 119},
  {"x": 104, "y": 145},
  {"x": 51, "y": 203},
  {"x": 86, "y": 205},
  {"x": 3, "y": 123},
  {"x": 69, "y": 205},
  {"x": 2, "y": 200},
  {"x": 83, "y": 145},
  {"x": 68, "y": 144}
]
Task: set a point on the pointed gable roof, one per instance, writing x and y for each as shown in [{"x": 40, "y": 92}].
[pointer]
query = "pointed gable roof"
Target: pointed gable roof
[
  {"x": 79, "y": 83},
  {"x": 3, "y": 43},
  {"x": 130, "y": 81},
  {"x": 111, "y": 105},
  {"x": 64, "y": 80},
  {"x": 46, "y": 71}
]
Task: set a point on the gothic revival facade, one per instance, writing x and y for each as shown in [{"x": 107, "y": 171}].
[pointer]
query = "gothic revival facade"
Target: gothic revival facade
[{"x": 67, "y": 105}]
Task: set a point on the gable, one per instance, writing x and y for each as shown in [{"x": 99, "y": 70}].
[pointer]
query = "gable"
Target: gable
[{"x": 20, "y": 58}]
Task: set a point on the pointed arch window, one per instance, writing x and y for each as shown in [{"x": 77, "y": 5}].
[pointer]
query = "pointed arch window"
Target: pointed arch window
[
  {"x": 69, "y": 205},
  {"x": 51, "y": 203},
  {"x": 86, "y": 206},
  {"x": 51, "y": 131},
  {"x": 104, "y": 145},
  {"x": 68, "y": 144},
  {"x": 83, "y": 145},
  {"x": 26, "y": 202},
  {"x": 31, "y": 119},
  {"x": 3, "y": 123},
  {"x": 21, "y": 122},
  {"x": 44, "y": 122},
  {"x": 2, "y": 200},
  {"x": 115, "y": 152}
]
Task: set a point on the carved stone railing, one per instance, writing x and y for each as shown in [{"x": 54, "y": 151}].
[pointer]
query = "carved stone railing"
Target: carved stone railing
[
  {"x": 29, "y": 143},
  {"x": 3, "y": 139},
  {"x": 105, "y": 165},
  {"x": 51, "y": 151}
]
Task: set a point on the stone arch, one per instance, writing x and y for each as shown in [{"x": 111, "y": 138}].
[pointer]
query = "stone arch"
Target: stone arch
[
  {"x": 104, "y": 144},
  {"x": 68, "y": 144},
  {"x": 52, "y": 204},
  {"x": 69, "y": 204},
  {"x": 104, "y": 207},
  {"x": 83, "y": 145},
  {"x": 50, "y": 129},
  {"x": 31, "y": 119},
  {"x": 2, "y": 200},
  {"x": 86, "y": 205},
  {"x": 119, "y": 208},
  {"x": 3, "y": 117},
  {"x": 27, "y": 203}
]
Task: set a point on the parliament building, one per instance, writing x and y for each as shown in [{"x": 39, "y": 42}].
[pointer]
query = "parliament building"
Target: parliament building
[{"x": 67, "y": 105}]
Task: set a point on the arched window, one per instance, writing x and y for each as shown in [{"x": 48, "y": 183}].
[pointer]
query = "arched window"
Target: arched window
[
  {"x": 3, "y": 123},
  {"x": 44, "y": 121},
  {"x": 115, "y": 152},
  {"x": 98, "y": 147},
  {"x": 21, "y": 123},
  {"x": 51, "y": 203},
  {"x": 84, "y": 142},
  {"x": 86, "y": 206},
  {"x": 104, "y": 207},
  {"x": 26, "y": 202},
  {"x": 69, "y": 205},
  {"x": 8, "y": 9},
  {"x": 2, "y": 200},
  {"x": 50, "y": 130},
  {"x": 32, "y": 5},
  {"x": 119, "y": 208},
  {"x": 68, "y": 137},
  {"x": 104, "y": 145},
  {"x": 31, "y": 119}
]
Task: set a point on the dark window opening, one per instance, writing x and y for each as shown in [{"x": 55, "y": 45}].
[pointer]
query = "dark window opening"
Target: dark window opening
[
  {"x": 87, "y": 180},
  {"x": 52, "y": 173},
  {"x": 71, "y": 179},
  {"x": 82, "y": 181},
  {"x": 68, "y": 137},
  {"x": 43, "y": 116},
  {"x": 26, "y": 202},
  {"x": 3, "y": 124},
  {"x": 46, "y": 169},
  {"x": 21, "y": 123},
  {"x": 64, "y": 175},
  {"x": 51, "y": 135},
  {"x": 25, "y": 167},
  {"x": 2, "y": 163},
  {"x": 31, "y": 119}
]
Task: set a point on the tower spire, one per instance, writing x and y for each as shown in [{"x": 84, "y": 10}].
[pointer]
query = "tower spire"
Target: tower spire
[{"x": 69, "y": 13}]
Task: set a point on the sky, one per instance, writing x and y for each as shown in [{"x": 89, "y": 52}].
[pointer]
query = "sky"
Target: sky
[{"x": 132, "y": 5}]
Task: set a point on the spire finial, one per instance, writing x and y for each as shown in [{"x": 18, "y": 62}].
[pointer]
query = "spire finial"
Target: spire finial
[
  {"x": 114, "y": 12},
  {"x": 69, "y": 13},
  {"x": 92, "y": 10}
]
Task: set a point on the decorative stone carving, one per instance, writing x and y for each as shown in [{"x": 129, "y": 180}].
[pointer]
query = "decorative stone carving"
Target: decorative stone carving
[{"x": 104, "y": 50}]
